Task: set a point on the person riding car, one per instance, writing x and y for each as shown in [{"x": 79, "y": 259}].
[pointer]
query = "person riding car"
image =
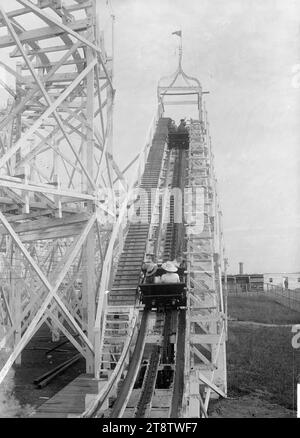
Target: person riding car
[{"x": 171, "y": 275}]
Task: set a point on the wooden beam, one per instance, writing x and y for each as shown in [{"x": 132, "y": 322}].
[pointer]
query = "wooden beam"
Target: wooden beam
[
  {"x": 45, "y": 93},
  {"x": 63, "y": 329},
  {"x": 50, "y": 49},
  {"x": 210, "y": 384},
  {"x": 43, "y": 188},
  {"x": 27, "y": 98},
  {"x": 2, "y": 293},
  {"x": 22, "y": 141},
  {"x": 52, "y": 233},
  {"x": 89, "y": 283},
  {"x": 45, "y": 223},
  {"x": 52, "y": 291},
  {"x": 23, "y": 11},
  {"x": 68, "y": 30},
  {"x": 205, "y": 339},
  {"x": 203, "y": 358},
  {"x": 43, "y": 278},
  {"x": 42, "y": 33}
]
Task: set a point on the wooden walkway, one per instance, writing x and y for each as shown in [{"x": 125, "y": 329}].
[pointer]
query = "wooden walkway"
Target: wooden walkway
[{"x": 70, "y": 401}]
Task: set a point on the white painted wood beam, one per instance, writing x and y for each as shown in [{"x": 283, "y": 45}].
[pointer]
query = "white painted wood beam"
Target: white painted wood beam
[
  {"x": 47, "y": 18},
  {"x": 52, "y": 291},
  {"x": 21, "y": 142}
]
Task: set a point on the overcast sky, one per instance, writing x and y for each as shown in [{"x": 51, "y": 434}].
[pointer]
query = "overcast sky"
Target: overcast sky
[{"x": 244, "y": 53}]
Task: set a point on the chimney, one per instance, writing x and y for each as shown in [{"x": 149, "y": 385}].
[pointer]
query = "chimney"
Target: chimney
[{"x": 241, "y": 268}]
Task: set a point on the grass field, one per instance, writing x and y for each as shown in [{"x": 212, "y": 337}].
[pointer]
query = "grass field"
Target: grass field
[
  {"x": 261, "y": 309},
  {"x": 261, "y": 361}
]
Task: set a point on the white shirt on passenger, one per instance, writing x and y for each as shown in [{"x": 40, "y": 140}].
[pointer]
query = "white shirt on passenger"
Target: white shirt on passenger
[{"x": 170, "y": 277}]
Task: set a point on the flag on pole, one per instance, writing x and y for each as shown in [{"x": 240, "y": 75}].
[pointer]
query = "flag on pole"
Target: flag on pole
[{"x": 177, "y": 32}]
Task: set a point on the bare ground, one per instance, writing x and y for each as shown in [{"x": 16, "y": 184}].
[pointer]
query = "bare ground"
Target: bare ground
[{"x": 19, "y": 396}]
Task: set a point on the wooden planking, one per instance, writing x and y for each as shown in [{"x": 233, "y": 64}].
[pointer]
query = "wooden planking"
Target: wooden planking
[
  {"x": 46, "y": 223},
  {"x": 58, "y": 233},
  {"x": 59, "y": 77},
  {"x": 43, "y": 4},
  {"x": 43, "y": 33},
  {"x": 49, "y": 415},
  {"x": 70, "y": 400}
]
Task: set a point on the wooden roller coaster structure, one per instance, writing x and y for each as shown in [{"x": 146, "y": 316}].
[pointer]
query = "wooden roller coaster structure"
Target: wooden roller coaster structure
[{"x": 67, "y": 210}]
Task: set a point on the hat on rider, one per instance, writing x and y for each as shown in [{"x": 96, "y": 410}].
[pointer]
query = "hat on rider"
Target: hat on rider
[
  {"x": 169, "y": 267},
  {"x": 151, "y": 269}
]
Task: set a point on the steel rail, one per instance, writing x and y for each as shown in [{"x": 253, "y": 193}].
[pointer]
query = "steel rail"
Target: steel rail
[
  {"x": 134, "y": 366},
  {"x": 179, "y": 369}
]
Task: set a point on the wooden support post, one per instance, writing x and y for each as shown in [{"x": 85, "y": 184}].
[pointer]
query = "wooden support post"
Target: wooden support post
[
  {"x": 57, "y": 198},
  {"x": 26, "y": 207},
  {"x": 89, "y": 289},
  {"x": 15, "y": 298},
  {"x": 18, "y": 289}
]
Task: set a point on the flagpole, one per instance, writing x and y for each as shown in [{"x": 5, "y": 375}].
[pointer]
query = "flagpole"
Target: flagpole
[
  {"x": 179, "y": 34},
  {"x": 180, "y": 49}
]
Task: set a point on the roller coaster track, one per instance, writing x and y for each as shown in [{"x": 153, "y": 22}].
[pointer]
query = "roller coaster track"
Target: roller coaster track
[
  {"x": 166, "y": 357},
  {"x": 166, "y": 353},
  {"x": 150, "y": 379},
  {"x": 131, "y": 375},
  {"x": 123, "y": 294},
  {"x": 174, "y": 232},
  {"x": 179, "y": 370},
  {"x": 126, "y": 279},
  {"x": 160, "y": 353}
]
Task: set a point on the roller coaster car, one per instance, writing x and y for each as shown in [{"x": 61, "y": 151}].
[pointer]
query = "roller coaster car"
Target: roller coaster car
[
  {"x": 178, "y": 140},
  {"x": 166, "y": 295}
]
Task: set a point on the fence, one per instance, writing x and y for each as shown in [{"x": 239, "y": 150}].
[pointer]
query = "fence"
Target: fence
[
  {"x": 245, "y": 288},
  {"x": 286, "y": 297}
]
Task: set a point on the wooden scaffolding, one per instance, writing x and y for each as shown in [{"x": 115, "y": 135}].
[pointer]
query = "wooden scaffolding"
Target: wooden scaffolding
[{"x": 58, "y": 177}]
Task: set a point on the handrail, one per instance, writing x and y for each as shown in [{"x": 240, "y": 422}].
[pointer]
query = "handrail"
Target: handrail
[
  {"x": 102, "y": 395},
  {"x": 132, "y": 372},
  {"x": 144, "y": 153},
  {"x": 107, "y": 264}
]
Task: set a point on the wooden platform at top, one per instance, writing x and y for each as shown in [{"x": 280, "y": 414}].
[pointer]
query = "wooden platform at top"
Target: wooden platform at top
[{"x": 70, "y": 400}]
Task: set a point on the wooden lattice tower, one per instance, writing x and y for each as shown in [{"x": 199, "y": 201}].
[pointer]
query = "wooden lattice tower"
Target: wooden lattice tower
[
  {"x": 206, "y": 315},
  {"x": 56, "y": 173}
]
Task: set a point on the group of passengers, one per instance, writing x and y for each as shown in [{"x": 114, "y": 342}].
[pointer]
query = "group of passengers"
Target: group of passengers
[
  {"x": 181, "y": 127},
  {"x": 169, "y": 271}
]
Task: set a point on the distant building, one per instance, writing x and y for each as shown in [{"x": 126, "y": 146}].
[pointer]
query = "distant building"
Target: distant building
[
  {"x": 278, "y": 280},
  {"x": 245, "y": 283}
]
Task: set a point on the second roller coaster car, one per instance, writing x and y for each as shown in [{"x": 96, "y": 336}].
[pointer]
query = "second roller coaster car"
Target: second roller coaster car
[{"x": 178, "y": 140}]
